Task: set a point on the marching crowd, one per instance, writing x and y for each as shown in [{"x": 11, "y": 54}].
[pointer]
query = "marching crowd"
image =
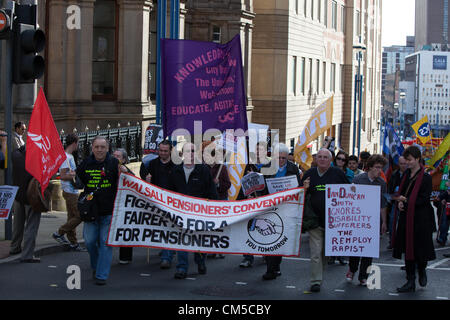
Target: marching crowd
[{"x": 406, "y": 209}]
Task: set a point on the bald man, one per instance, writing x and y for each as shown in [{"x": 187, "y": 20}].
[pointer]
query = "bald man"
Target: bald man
[{"x": 320, "y": 176}]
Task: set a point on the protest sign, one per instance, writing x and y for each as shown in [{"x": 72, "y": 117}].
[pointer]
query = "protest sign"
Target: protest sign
[
  {"x": 147, "y": 216},
  {"x": 352, "y": 220},
  {"x": 7, "y": 196},
  {"x": 252, "y": 182},
  {"x": 281, "y": 184},
  {"x": 153, "y": 137}
]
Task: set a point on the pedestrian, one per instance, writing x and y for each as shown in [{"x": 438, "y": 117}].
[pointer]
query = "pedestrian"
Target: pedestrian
[
  {"x": 444, "y": 213},
  {"x": 157, "y": 172},
  {"x": 261, "y": 160},
  {"x": 18, "y": 135},
  {"x": 353, "y": 165},
  {"x": 363, "y": 157},
  {"x": 26, "y": 221},
  {"x": 70, "y": 195},
  {"x": 125, "y": 253},
  {"x": 191, "y": 178},
  {"x": 414, "y": 234},
  {"x": 99, "y": 173},
  {"x": 392, "y": 190},
  {"x": 320, "y": 176},
  {"x": 285, "y": 168},
  {"x": 375, "y": 165}
]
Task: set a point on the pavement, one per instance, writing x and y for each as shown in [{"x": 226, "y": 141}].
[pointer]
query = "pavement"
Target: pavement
[{"x": 45, "y": 244}]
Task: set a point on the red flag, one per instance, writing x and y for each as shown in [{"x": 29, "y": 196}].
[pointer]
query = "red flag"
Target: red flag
[{"x": 45, "y": 152}]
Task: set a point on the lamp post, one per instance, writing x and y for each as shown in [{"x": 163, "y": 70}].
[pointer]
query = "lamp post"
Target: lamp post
[
  {"x": 402, "y": 114},
  {"x": 396, "y": 113},
  {"x": 358, "y": 96}
]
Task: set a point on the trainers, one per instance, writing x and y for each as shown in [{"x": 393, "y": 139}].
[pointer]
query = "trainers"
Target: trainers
[
  {"x": 349, "y": 276},
  {"x": 100, "y": 282},
  {"x": 165, "y": 264},
  {"x": 315, "y": 288},
  {"x": 124, "y": 262},
  {"x": 363, "y": 282},
  {"x": 77, "y": 247},
  {"x": 245, "y": 264},
  {"x": 60, "y": 239},
  {"x": 180, "y": 274}
]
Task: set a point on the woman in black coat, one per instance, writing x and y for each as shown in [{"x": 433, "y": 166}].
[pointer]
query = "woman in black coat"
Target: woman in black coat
[{"x": 414, "y": 234}]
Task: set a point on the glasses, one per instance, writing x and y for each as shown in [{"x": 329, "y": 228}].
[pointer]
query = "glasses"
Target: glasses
[{"x": 342, "y": 159}]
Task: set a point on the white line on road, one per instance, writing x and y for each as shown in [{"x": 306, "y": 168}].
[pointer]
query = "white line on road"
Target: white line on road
[
  {"x": 290, "y": 287},
  {"x": 443, "y": 248},
  {"x": 241, "y": 283},
  {"x": 145, "y": 275},
  {"x": 53, "y": 267},
  {"x": 438, "y": 263},
  {"x": 442, "y": 298},
  {"x": 191, "y": 278},
  {"x": 339, "y": 290},
  {"x": 393, "y": 294}
]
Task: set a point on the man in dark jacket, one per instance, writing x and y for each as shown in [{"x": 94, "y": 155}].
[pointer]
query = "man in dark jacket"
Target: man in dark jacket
[
  {"x": 99, "y": 173},
  {"x": 191, "y": 178},
  {"x": 26, "y": 220},
  {"x": 157, "y": 172}
]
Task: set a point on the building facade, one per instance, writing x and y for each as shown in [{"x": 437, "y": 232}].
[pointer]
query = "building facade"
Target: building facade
[{"x": 432, "y": 25}]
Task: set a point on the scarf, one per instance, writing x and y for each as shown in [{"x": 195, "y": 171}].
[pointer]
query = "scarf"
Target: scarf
[{"x": 409, "y": 213}]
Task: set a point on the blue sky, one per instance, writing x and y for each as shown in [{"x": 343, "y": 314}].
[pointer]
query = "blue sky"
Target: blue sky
[{"x": 397, "y": 21}]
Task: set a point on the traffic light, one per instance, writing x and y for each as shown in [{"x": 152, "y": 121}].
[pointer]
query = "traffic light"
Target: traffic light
[{"x": 27, "y": 64}]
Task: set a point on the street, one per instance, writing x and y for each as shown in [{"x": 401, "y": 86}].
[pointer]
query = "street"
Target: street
[{"x": 225, "y": 280}]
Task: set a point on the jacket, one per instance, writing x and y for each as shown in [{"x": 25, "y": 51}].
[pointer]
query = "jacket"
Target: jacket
[
  {"x": 224, "y": 181},
  {"x": 103, "y": 175},
  {"x": 21, "y": 177},
  {"x": 200, "y": 183}
]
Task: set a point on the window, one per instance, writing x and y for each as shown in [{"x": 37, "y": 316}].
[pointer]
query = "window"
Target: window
[
  {"x": 104, "y": 50},
  {"x": 152, "y": 56},
  {"x": 310, "y": 76},
  {"x": 216, "y": 34},
  {"x": 334, "y": 15},
  {"x": 302, "y": 76},
  {"x": 293, "y": 74},
  {"x": 343, "y": 19},
  {"x": 333, "y": 77},
  {"x": 324, "y": 76},
  {"x": 358, "y": 24},
  {"x": 317, "y": 76},
  {"x": 297, "y": 4},
  {"x": 342, "y": 78},
  {"x": 305, "y": 3},
  {"x": 325, "y": 13}
]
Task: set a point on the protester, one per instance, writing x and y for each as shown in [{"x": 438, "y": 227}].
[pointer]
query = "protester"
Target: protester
[
  {"x": 353, "y": 165},
  {"x": 157, "y": 172},
  {"x": 70, "y": 195},
  {"x": 363, "y": 157},
  {"x": 191, "y": 178},
  {"x": 375, "y": 165},
  {"x": 286, "y": 168},
  {"x": 125, "y": 253},
  {"x": 262, "y": 160},
  {"x": 99, "y": 173},
  {"x": 443, "y": 209},
  {"x": 26, "y": 221},
  {"x": 19, "y": 131},
  {"x": 392, "y": 190},
  {"x": 320, "y": 176},
  {"x": 413, "y": 236}
]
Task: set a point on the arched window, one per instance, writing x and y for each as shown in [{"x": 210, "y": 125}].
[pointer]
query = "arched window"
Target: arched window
[{"x": 104, "y": 54}]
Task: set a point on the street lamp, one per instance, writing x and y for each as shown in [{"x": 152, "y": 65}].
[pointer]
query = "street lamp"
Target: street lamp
[
  {"x": 396, "y": 113},
  {"x": 402, "y": 114},
  {"x": 358, "y": 95}
]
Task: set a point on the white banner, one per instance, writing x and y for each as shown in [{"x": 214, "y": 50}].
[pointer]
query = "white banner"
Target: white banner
[
  {"x": 7, "y": 196},
  {"x": 147, "y": 216},
  {"x": 352, "y": 220},
  {"x": 282, "y": 183},
  {"x": 252, "y": 182}
]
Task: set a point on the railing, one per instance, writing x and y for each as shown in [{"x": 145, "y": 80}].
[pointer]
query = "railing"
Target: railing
[{"x": 128, "y": 138}]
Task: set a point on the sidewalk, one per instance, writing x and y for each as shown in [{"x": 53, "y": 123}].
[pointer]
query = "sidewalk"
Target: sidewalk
[{"x": 45, "y": 244}]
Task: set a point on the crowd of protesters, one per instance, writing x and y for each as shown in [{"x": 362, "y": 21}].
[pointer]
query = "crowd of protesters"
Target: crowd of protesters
[{"x": 406, "y": 210}]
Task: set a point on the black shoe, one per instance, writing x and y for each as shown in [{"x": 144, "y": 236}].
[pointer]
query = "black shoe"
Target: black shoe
[
  {"x": 100, "y": 282},
  {"x": 409, "y": 286},
  {"x": 403, "y": 268},
  {"x": 423, "y": 278},
  {"x": 202, "y": 268},
  {"x": 271, "y": 275},
  {"x": 180, "y": 274},
  {"x": 12, "y": 252},
  {"x": 32, "y": 260},
  {"x": 315, "y": 288},
  {"x": 446, "y": 255}
]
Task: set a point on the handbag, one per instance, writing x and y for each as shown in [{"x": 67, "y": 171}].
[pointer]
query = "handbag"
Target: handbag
[
  {"x": 87, "y": 207},
  {"x": 77, "y": 184}
]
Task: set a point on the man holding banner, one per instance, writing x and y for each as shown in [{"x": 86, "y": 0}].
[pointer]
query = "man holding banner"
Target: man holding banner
[
  {"x": 194, "y": 179},
  {"x": 372, "y": 177}
]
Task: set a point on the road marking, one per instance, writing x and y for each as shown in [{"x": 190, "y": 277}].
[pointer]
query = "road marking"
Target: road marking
[
  {"x": 393, "y": 294},
  {"x": 191, "y": 278},
  {"x": 298, "y": 259},
  {"x": 443, "y": 248},
  {"x": 241, "y": 283},
  {"x": 442, "y": 298},
  {"x": 54, "y": 285},
  {"x": 145, "y": 275},
  {"x": 339, "y": 290},
  {"x": 290, "y": 287},
  {"x": 438, "y": 263},
  {"x": 53, "y": 267}
]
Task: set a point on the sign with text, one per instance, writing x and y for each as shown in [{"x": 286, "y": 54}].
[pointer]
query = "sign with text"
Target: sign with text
[
  {"x": 352, "y": 220},
  {"x": 252, "y": 182},
  {"x": 7, "y": 196},
  {"x": 153, "y": 137},
  {"x": 147, "y": 216},
  {"x": 203, "y": 81},
  {"x": 280, "y": 184}
]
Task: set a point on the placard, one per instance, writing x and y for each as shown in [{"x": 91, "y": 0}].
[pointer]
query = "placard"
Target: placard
[{"x": 7, "y": 196}]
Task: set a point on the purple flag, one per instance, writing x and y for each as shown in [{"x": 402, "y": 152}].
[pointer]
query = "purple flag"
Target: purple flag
[{"x": 202, "y": 81}]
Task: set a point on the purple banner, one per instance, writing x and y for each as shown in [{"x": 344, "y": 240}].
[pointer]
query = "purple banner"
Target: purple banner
[{"x": 202, "y": 81}]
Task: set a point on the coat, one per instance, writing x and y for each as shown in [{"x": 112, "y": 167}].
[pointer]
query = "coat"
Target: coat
[
  {"x": 423, "y": 223},
  {"x": 200, "y": 183},
  {"x": 224, "y": 180}
]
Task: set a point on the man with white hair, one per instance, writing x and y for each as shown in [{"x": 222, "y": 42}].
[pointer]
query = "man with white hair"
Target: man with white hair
[
  {"x": 320, "y": 176},
  {"x": 285, "y": 168}
]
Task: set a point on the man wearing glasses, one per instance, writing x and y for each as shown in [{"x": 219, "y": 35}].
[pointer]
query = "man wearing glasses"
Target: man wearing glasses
[
  {"x": 372, "y": 177},
  {"x": 191, "y": 178}
]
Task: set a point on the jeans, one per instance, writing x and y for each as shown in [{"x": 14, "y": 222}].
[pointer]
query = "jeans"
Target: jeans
[
  {"x": 316, "y": 244},
  {"x": 443, "y": 227},
  {"x": 183, "y": 260},
  {"x": 95, "y": 235},
  {"x": 354, "y": 263},
  {"x": 167, "y": 255}
]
